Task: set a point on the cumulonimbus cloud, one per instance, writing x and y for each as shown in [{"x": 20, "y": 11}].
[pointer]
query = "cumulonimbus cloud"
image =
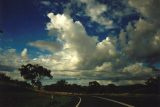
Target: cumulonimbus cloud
[
  {"x": 145, "y": 33},
  {"x": 75, "y": 53}
]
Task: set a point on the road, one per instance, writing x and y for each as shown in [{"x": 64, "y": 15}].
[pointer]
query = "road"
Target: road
[{"x": 90, "y": 101}]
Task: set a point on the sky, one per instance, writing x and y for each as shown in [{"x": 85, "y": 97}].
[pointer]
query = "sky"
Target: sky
[{"x": 110, "y": 41}]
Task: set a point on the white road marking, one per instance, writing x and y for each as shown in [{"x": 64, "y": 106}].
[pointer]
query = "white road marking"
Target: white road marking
[
  {"x": 127, "y": 105},
  {"x": 78, "y": 102}
]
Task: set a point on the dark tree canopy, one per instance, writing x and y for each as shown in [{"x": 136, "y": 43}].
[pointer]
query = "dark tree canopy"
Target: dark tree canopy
[
  {"x": 3, "y": 77},
  {"x": 153, "y": 82},
  {"x": 61, "y": 83},
  {"x": 34, "y": 73},
  {"x": 94, "y": 83}
]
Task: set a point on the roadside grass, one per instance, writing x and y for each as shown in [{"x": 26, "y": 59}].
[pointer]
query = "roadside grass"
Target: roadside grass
[
  {"x": 137, "y": 100},
  {"x": 17, "y": 97}
]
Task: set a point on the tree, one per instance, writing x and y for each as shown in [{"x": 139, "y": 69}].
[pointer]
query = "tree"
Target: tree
[
  {"x": 94, "y": 84},
  {"x": 61, "y": 83},
  {"x": 3, "y": 77},
  {"x": 94, "y": 87},
  {"x": 34, "y": 73},
  {"x": 153, "y": 82}
]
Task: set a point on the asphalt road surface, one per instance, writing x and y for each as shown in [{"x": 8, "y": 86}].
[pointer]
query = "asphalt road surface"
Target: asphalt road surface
[{"x": 90, "y": 101}]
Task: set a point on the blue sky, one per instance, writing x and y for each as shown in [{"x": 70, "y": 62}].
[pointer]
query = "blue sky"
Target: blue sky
[
  {"x": 22, "y": 22},
  {"x": 25, "y": 21},
  {"x": 100, "y": 39}
]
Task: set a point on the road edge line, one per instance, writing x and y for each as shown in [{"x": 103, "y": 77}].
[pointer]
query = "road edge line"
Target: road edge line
[
  {"x": 127, "y": 105},
  {"x": 77, "y": 105}
]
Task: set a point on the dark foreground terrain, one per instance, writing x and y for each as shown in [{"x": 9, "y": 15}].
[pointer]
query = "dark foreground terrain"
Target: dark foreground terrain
[
  {"x": 138, "y": 100},
  {"x": 14, "y": 96},
  {"x": 89, "y": 101}
]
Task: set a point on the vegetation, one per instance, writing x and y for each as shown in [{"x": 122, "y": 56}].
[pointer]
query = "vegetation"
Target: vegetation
[
  {"x": 22, "y": 94},
  {"x": 13, "y": 96},
  {"x": 34, "y": 73},
  {"x": 5, "y": 80},
  {"x": 62, "y": 83},
  {"x": 152, "y": 86},
  {"x": 14, "y": 93},
  {"x": 3, "y": 77}
]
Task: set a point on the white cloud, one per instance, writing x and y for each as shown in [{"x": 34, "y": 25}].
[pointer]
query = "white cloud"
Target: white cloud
[
  {"x": 149, "y": 9},
  {"x": 144, "y": 34},
  {"x": 9, "y": 59},
  {"x": 75, "y": 54},
  {"x": 143, "y": 37},
  {"x": 46, "y": 45},
  {"x": 80, "y": 51},
  {"x": 122, "y": 39},
  {"x": 76, "y": 43},
  {"x": 107, "y": 47},
  {"x": 83, "y": 55},
  {"x": 46, "y": 3},
  {"x": 95, "y": 10},
  {"x": 15, "y": 75},
  {"x": 24, "y": 53},
  {"x": 137, "y": 69},
  {"x": 105, "y": 67}
]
